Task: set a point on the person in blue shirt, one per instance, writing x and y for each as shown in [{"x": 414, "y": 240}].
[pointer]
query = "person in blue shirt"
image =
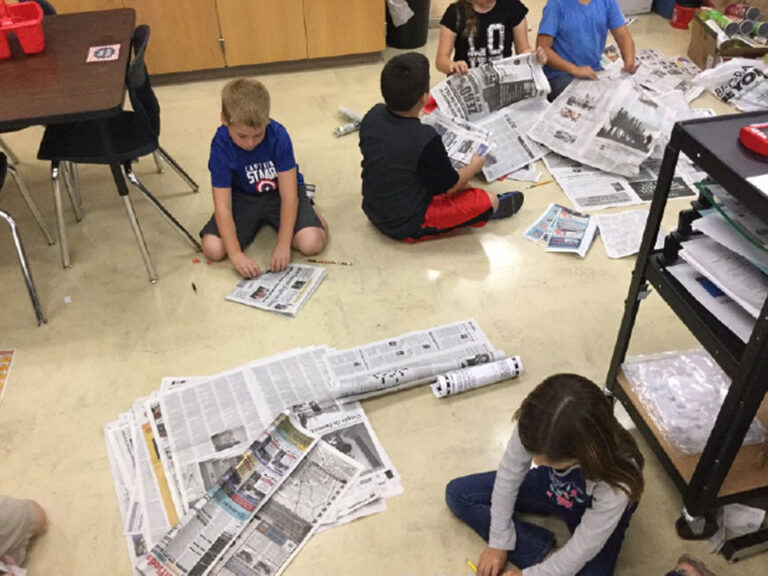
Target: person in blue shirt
[
  {"x": 256, "y": 180},
  {"x": 572, "y": 33}
]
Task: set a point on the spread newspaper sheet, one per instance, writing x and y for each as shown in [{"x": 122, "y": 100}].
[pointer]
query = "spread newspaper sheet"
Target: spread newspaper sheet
[
  {"x": 282, "y": 292},
  {"x": 491, "y": 87}
]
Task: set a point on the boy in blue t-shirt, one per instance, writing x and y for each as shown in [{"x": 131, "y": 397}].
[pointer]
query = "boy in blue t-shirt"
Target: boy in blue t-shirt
[
  {"x": 573, "y": 34},
  {"x": 256, "y": 180}
]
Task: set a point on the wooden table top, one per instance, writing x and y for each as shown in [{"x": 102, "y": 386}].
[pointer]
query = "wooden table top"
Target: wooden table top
[{"x": 58, "y": 85}]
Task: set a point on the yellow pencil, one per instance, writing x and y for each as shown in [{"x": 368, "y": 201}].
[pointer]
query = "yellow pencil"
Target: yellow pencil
[
  {"x": 539, "y": 184},
  {"x": 474, "y": 568}
]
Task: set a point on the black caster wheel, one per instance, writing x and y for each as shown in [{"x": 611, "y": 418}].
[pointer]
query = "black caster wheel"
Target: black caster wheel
[{"x": 699, "y": 528}]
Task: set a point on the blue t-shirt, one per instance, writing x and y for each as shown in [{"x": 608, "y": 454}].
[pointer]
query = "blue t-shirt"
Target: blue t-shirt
[
  {"x": 255, "y": 171},
  {"x": 579, "y": 30}
]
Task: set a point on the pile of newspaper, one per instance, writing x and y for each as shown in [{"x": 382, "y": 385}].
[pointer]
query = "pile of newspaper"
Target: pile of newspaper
[
  {"x": 282, "y": 292},
  {"x": 231, "y": 474}
]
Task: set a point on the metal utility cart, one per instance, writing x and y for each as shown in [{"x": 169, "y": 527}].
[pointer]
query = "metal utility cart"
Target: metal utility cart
[{"x": 725, "y": 471}]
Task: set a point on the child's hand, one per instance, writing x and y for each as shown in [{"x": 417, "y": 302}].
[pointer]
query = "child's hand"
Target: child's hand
[
  {"x": 459, "y": 68},
  {"x": 492, "y": 561},
  {"x": 245, "y": 266},
  {"x": 630, "y": 67},
  {"x": 281, "y": 257},
  {"x": 541, "y": 55},
  {"x": 585, "y": 72}
]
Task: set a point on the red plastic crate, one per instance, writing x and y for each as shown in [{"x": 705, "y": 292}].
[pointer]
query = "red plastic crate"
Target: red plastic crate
[{"x": 25, "y": 20}]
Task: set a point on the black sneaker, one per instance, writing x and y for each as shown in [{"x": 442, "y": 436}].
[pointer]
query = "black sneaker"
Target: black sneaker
[{"x": 509, "y": 204}]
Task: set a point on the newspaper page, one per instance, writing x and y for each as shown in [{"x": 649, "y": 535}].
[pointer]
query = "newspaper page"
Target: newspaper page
[
  {"x": 193, "y": 546},
  {"x": 622, "y": 232},
  {"x": 512, "y": 149},
  {"x": 609, "y": 124},
  {"x": 282, "y": 292},
  {"x": 408, "y": 360},
  {"x": 459, "y": 381},
  {"x": 491, "y": 87},
  {"x": 209, "y": 425},
  {"x": 288, "y": 520},
  {"x": 562, "y": 230},
  {"x": 462, "y": 140},
  {"x": 741, "y": 82},
  {"x": 660, "y": 74},
  {"x": 591, "y": 189},
  {"x": 347, "y": 429}
]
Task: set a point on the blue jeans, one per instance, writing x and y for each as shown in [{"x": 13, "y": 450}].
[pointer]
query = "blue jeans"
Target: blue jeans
[
  {"x": 557, "y": 84},
  {"x": 469, "y": 498}
]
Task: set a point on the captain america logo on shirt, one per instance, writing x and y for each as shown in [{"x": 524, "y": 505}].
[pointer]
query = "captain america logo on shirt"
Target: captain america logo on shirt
[{"x": 263, "y": 175}]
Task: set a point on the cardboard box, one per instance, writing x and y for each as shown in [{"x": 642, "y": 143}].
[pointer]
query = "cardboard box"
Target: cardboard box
[
  {"x": 705, "y": 52},
  {"x": 632, "y": 7}
]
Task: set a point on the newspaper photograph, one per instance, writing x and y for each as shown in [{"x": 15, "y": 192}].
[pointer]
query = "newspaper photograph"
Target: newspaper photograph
[
  {"x": 462, "y": 140},
  {"x": 609, "y": 124},
  {"x": 193, "y": 546},
  {"x": 347, "y": 429},
  {"x": 622, "y": 232},
  {"x": 459, "y": 381},
  {"x": 512, "y": 149},
  {"x": 562, "y": 230},
  {"x": 291, "y": 516},
  {"x": 282, "y": 292},
  {"x": 491, "y": 87},
  {"x": 408, "y": 360},
  {"x": 741, "y": 82}
]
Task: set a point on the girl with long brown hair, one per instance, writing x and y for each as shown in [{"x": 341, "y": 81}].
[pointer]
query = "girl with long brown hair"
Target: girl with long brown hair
[{"x": 588, "y": 471}]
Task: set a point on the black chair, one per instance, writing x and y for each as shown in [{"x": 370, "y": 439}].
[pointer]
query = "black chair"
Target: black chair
[
  {"x": 20, "y": 249},
  {"x": 132, "y": 134}
]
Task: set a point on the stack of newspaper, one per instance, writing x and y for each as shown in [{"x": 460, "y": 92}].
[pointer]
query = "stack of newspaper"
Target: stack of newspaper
[
  {"x": 726, "y": 267},
  {"x": 488, "y": 112},
  {"x": 231, "y": 474},
  {"x": 282, "y": 292}
]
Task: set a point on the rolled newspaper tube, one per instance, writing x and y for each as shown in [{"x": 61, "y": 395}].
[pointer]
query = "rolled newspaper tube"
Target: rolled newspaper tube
[
  {"x": 745, "y": 26},
  {"x": 740, "y": 10},
  {"x": 465, "y": 379},
  {"x": 728, "y": 27},
  {"x": 760, "y": 29}
]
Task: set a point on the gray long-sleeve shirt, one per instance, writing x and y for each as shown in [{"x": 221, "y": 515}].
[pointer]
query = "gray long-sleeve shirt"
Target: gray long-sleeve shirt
[{"x": 596, "y": 526}]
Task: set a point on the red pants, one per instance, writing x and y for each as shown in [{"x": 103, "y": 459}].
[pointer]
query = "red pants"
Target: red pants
[{"x": 448, "y": 212}]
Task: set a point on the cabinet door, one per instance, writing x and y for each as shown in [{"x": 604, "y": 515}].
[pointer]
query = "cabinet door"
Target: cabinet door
[
  {"x": 67, "y": 6},
  {"x": 257, "y": 31},
  {"x": 338, "y": 27},
  {"x": 185, "y": 35}
]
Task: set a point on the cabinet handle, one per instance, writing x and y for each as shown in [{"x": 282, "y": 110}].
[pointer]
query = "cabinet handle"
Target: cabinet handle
[{"x": 222, "y": 45}]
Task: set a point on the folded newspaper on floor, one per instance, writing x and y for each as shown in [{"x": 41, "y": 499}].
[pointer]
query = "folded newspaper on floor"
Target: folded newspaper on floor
[
  {"x": 458, "y": 381},
  {"x": 282, "y": 292},
  {"x": 562, "y": 230},
  {"x": 199, "y": 540},
  {"x": 622, "y": 232},
  {"x": 409, "y": 360},
  {"x": 491, "y": 87},
  {"x": 610, "y": 124}
]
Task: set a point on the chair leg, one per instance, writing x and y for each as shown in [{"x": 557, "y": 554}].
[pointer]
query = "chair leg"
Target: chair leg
[
  {"x": 139, "y": 238},
  {"x": 158, "y": 162},
  {"x": 25, "y": 269},
  {"x": 31, "y": 203},
  {"x": 11, "y": 156},
  {"x": 63, "y": 240},
  {"x": 160, "y": 208},
  {"x": 68, "y": 172},
  {"x": 179, "y": 170}
]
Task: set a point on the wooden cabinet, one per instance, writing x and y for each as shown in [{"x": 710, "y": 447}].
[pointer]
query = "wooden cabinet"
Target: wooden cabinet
[
  {"x": 258, "y": 31},
  {"x": 185, "y": 35},
  {"x": 208, "y": 34},
  {"x": 340, "y": 27}
]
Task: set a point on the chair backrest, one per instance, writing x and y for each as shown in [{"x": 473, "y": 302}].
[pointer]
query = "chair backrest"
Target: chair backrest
[
  {"x": 140, "y": 91},
  {"x": 3, "y": 169},
  {"x": 47, "y": 7}
]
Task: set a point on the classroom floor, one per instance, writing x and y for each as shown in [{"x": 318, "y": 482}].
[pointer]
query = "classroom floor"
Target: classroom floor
[{"x": 112, "y": 336}]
